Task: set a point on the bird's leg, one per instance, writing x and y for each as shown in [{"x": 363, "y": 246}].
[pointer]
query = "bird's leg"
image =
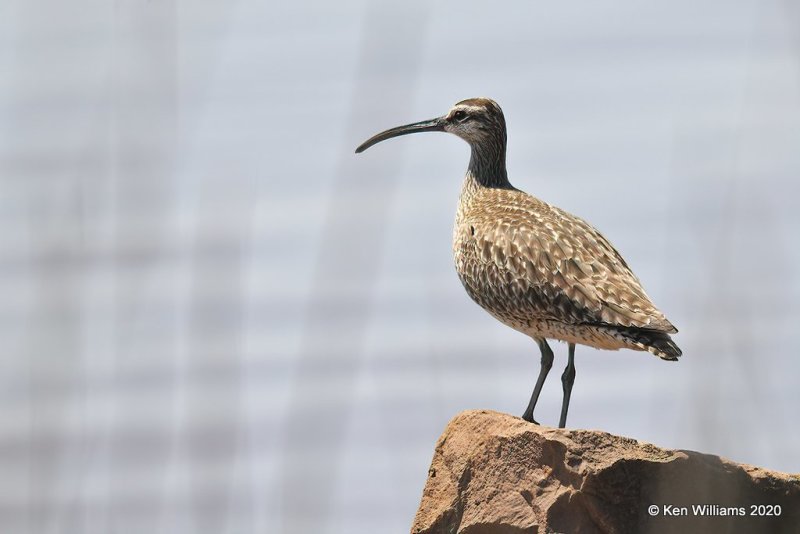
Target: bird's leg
[
  {"x": 567, "y": 379},
  {"x": 547, "y": 363}
]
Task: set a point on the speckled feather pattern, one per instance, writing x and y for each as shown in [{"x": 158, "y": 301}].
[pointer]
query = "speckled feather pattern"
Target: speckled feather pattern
[
  {"x": 533, "y": 266},
  {"x": 547, "y": 273}
]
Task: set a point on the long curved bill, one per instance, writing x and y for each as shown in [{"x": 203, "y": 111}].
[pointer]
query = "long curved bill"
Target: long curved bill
[{"x": 432, "y": 125}]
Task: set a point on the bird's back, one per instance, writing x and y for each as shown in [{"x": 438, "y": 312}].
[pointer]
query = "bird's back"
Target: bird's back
[{"x": 550, "y": 274}]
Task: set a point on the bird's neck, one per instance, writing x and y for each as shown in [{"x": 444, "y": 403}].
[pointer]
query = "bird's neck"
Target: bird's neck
[
  {"x": 486, "y": 171},
  {"x": 487, "y": 165}
]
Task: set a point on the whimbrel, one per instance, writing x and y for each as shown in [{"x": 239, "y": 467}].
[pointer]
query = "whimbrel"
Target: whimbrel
[{"x": 533, "y": 266}]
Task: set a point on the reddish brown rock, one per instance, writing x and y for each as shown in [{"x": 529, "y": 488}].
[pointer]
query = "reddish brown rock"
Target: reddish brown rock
[{"x": 494, "y": 473}]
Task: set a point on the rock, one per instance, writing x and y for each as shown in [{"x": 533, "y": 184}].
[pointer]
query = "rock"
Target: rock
[{"x": 495, "y": 473}]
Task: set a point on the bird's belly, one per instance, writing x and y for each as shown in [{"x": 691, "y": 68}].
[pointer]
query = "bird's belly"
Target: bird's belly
[
  {"x": 492, "y": 288},
  {"x": 512, "y": 302},
  {"x": 537, "y": 325}
]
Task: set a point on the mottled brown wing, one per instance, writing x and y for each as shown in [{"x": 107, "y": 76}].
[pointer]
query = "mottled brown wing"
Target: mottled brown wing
[{"x": 556, "y": 266}]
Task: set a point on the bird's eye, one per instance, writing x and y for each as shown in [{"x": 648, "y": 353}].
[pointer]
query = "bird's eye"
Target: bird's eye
[{"x": 459, "y": 115}]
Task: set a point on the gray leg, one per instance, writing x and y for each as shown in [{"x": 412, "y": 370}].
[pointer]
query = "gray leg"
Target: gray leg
[
  {"x": 567, "y": 379},
  {"x": 547, "y": 363}
]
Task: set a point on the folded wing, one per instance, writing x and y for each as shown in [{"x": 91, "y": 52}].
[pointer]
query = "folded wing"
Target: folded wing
[{"x": 556, "y": 266}]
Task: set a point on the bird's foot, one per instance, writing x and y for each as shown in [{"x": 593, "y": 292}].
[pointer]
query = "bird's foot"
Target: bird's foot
[{"x": 530, "y": 419}]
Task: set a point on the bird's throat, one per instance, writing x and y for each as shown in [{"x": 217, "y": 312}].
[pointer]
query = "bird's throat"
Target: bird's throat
[{"x": 487, "y": 166}]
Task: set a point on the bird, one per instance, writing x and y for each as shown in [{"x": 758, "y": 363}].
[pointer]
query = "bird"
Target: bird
[{"x": 535, "y": 267}]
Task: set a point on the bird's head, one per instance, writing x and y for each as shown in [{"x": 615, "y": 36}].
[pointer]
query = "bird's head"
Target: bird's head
[{"x": 476, "y": 120}]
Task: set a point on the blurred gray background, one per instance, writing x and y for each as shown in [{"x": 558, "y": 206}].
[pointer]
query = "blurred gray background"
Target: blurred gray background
[{"x": 216, "y": 318}]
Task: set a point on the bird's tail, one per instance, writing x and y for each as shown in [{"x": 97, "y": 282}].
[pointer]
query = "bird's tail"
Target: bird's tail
[{"x": 653, "y": 341}]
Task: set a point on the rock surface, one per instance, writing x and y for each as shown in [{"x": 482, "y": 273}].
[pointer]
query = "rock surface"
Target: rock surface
[{"x": 495, "y": 473}]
